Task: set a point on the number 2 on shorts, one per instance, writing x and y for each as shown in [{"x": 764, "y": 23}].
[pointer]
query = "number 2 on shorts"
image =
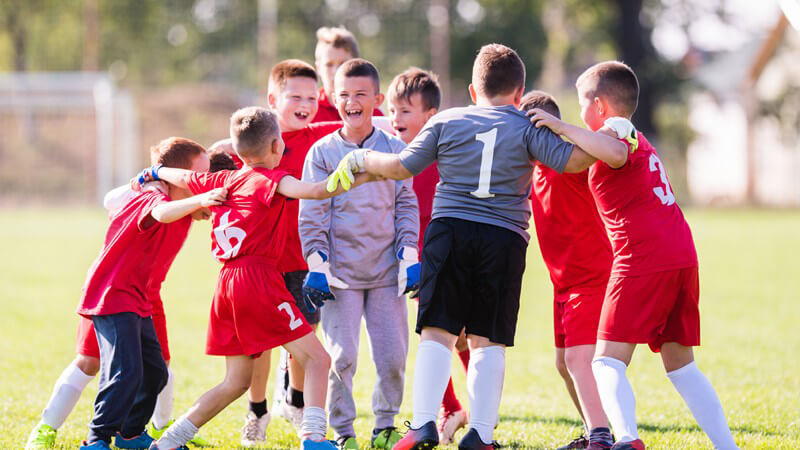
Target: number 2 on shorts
[
  {"x": 487, "y": 159},
  {"x": 293, "y": 322}
]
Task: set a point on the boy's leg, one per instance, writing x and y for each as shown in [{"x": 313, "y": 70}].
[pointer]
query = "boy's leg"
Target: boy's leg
[
  {"x": 68, "y": 389},
  {"x": 698, "y": 393},
  {"x": 316, "y": 362},
  {"x": 616, "y": 394},
  {"x": 386, "y": 316},
  {"x": 119, "y": 340},
  {"x": 431, "y": 374},
  {"x": 485, "y": 384},
  {"x": 257, "y": 394},
  {"x": 561, "y": 367},
  {"x": 154, "y": 378},
  {"x": 162, "y": 413},
  {"x": 341, "y": 327},
  {"x": 238, "y": 374}
]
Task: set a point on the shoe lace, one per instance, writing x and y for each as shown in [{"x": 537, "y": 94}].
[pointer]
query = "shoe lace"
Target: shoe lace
[{"x": 250, "y": 429}]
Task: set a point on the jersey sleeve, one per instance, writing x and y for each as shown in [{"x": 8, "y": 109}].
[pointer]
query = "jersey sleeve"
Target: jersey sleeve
[
  {"x": 200, "y": 182},
  {"x": 266, "y": 191},
  {"x": 548, "y": 148},
  {"x": 148, "y": 200},
  {"x": 422, "y": 151}
]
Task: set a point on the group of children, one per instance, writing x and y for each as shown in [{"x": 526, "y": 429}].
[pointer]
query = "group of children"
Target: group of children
[{"x": 300, "y": 244}]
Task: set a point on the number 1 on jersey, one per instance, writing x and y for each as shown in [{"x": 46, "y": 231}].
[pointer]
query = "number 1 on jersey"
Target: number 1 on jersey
[{"x": 487, "y": 159}]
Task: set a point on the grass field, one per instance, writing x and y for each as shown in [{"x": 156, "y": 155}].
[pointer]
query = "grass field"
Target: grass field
[{"x": 750, "y": 301}]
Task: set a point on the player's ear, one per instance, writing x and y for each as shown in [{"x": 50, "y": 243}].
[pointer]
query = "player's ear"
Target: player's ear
[
  {"x": 472, "y": 94},
  {"x": 272, "y": 101},
  {"x": 600, "y": 105},
  {"x": 518, "y": 96},
  {"x": 430, "y": 113},
  {"x": 379, "y": 99}
]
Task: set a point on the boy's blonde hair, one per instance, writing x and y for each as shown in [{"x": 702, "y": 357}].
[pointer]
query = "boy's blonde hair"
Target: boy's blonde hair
[
  {"x": 253, "y": 130},
  {"x": 338, "y": 37},
  {"x": 498, "y": 70},
  {"x": 613, "y": 80},
  {"x": 415, "y": 80},
  {"x": 289, "y": 68},
  {"x": 176, "y": 152}
]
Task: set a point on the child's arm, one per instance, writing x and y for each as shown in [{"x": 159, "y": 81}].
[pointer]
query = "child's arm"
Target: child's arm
[
  {"x": 589, "y": 146},
  {"x": 176, "y": 177},
  {"x": 380, "y": 165},
  {"x": 171, "y": 211},
  {"x": 406, "y": 225},
  {"x": 294, "y": 188}
]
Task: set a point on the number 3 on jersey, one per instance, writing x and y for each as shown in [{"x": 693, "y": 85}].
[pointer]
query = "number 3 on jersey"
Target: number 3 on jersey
[
  {"x": 663, "y": 193},
  {"x": 487, "y": 159}
]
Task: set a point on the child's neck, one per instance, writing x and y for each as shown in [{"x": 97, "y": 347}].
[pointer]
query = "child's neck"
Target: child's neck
[
  {"x": 356, "y": 135},
  {"x": 500, "y": 100},
  {"x": 285, "y": 127}
]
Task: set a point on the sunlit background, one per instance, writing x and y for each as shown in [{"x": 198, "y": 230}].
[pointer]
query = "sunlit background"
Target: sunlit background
[{"x": 87, "y": 86}]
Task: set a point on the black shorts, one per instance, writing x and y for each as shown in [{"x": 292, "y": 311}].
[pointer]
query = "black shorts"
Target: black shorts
[
  {"x": 471, "y": 278},
  {"x": 294, "y": 284}
]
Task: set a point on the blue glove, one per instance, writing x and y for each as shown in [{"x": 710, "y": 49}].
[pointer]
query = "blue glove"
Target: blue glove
[
  {"x": 318, "y": 281},
  {"x": 149, "y": 174},
  {"x": 408, "y": 275}
]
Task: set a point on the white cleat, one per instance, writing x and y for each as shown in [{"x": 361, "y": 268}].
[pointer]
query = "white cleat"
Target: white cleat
[{"x": 254, "y": 431}]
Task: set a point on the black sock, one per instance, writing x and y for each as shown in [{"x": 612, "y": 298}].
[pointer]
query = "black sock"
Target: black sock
[
  {"x": 259, "y": 408},
  {"x": 602, "y": 435},
  {"x": 294, "y": 397}
]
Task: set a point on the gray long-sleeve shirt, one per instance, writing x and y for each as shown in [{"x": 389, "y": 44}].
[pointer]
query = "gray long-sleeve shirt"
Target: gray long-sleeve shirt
[{"x": 361, "y": 230}]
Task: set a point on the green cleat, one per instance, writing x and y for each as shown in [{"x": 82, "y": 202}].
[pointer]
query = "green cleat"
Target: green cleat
[
  {"x": 385, "y": 438},
  {"x": 42, "y": 436},
  {"x": 156, "y": 433},
  {"x": 347, "y": 443}
]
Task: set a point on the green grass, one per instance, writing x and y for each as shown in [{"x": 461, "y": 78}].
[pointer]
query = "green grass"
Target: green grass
[{"x": 750, "y": 300}]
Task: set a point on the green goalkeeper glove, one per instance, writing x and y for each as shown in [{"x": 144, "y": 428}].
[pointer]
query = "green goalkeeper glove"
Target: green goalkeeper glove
[{"x": 352, "y": 162}]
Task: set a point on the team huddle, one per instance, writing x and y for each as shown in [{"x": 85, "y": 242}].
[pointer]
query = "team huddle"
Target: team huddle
[{"x": 326, "y": 213}]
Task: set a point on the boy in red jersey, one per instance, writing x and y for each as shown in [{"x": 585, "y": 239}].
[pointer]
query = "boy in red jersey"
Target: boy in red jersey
[
  {"x": 84, "y": 368},
  {"x": 117, "y": 297},
  {"x": 292, "y": 94},
  {"x": 248, "y": 237},
  {"x": 335, "y": 46},
  {"x": 653, "y": 292},
  {"x": 414, "y": 97},
  {"x": 577, "y": 253}
]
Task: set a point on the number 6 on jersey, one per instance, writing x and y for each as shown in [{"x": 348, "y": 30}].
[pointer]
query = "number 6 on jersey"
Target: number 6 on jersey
[{"x": 487, "y": 159}]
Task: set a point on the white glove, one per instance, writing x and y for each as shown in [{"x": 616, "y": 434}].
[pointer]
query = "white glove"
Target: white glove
[
  {"x": 409, "y": 272},
  {"x": 624, "y": 129}
]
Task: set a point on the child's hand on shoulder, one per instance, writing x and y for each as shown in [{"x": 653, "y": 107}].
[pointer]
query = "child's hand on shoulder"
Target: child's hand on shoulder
[
  {"x": 213, "y": 197},
  {"x": 155, "y": 186},
  {"x": 541, "y": 118}
]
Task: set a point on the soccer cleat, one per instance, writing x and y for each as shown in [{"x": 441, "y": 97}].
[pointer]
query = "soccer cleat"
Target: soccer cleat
[
  {"x": 42, "y": 436},
  {"x": 472, "y": 441},
  {"x": 632, "y": 445},
  {"x": 156, "y": 433},
  {"x": 422, "y": 438},
  {"x": 347, "y": 442},
  {"x": 449, "y": 424},
  {"x": 139, "y": 442},
  {"x": 579, "y": 442},
  {"x": 385, "y": 438},
  {"x": 293, "y": 415},
  {"x": 598, "y": 446},
  {"x": 96, "y": 445},
  {"x": 308, "y": 444},
  {"x": 154, "y": 446},
  {"x": 254, "y": 431}
]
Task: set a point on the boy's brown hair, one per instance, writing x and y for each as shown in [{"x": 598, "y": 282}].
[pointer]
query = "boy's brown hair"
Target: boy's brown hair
[
  {"x": 252, "y": 131},
  {"x": 415, "y": 80},
  {"x": 220, "y": 160},
  {"x": 358, "y": 67},
  {"x": 290, "y": 68},
  {"x": 541, "y": 100},
  {"x": 498, "y": 70},
  {"x": 176, "y": 152},
  {"x": 613, "y": 80},
  {"x": 338, "y": 37}
]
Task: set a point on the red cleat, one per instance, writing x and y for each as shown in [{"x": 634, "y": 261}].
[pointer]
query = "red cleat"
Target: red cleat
[
  {"x": 633, "y": 445},
  {"x": 422, "y": 438}
]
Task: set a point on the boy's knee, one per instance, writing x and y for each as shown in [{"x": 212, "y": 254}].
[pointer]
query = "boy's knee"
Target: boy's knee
[
  {"x": 89, "y": 365},
  {"x": 576, "y": 362},
  {"x": 561, "y": 365}
]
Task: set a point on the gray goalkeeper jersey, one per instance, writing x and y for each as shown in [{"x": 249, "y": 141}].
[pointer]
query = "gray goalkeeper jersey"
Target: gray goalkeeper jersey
[{"x": 486, "y": 157}]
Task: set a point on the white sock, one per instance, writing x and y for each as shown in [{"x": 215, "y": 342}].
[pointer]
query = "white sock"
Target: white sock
[
  {"x": 164, "y": 402},
  {"x": 487, "y": 367},
  {"x": 702, "y": 400},
  {"x": 181, "y": 432},
  {"x": 431, "y": 374},
  {"x": 315, "y": 424},
  {"x": 66, "y": 393},
  {"x": 616, "y": 395}
]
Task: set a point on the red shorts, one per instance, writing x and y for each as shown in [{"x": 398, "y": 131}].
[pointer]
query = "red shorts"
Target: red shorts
[
  {"x": 576, "y": 313},
  {"x": 87, "y": 340},
  {"x": 252, "y": 311},
  {"x": 653, "y": 309}
]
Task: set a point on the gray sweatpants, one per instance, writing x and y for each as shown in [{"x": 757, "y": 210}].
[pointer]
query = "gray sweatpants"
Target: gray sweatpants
[{"x": 387, "y": 327}]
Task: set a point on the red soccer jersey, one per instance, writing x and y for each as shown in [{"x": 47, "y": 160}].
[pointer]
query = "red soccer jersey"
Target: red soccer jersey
[
  {"x": 574, "y": 244},
  {"x": 297, "y": 145},
  {"x": 647, "y": 229},
  {"x": 327, "y": 112},
  {"x": 425, "y": 187},
  {"x": 250, "y": 222},
  {"x": 136, "y": 255}
]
